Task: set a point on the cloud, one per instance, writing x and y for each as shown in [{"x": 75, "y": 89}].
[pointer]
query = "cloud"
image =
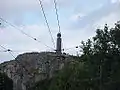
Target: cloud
[
  {"x": 96, "y": 15},
  {"x": 17, "y": 11},
  {"x": 76, "y": 17},
  {"x": 115, "y": 1},
  {"x": 111, "y": 19},
  {"x": 13, "y": 37},
  {"x": 15, "y": 40},
  {"x": 79, "y": 27},
  {"x": 27, "y": 5}
]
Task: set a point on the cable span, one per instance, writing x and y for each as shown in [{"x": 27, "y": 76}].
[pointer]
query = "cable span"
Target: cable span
[
  {"x": 26, "y": 33},
  {"x": 40, "y": 2},
  {"x": 57, "y": 16}
]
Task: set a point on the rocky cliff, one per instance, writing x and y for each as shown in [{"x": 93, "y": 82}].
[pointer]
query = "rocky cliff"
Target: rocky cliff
[{"x": 29, "y": 68}]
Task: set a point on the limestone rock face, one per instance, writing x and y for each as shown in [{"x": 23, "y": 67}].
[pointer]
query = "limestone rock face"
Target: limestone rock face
[{"x": 29, "y": 68}]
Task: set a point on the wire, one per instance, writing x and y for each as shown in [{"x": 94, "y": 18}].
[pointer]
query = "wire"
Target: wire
[
  {"x": 40, "y": 2},
  {"x": 57, "y": 16},
  {"x": 16, "y": 51},
  {"x": 70, "y": 48},
  {"x": 10, "y": 52},
  {"x": 26, "y": 33},
  {"x": 20, "y": 63},
  {"x": 7, "y": 50},
  {"x": 66, "y": 49},
  {"x": 16, "y": 28},
  {"x": 2, "y": 47},
  {"x": 45, "y": 45}
]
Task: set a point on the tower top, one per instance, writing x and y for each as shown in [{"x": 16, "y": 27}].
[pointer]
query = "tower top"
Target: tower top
[{"x": 59, "y": 35}]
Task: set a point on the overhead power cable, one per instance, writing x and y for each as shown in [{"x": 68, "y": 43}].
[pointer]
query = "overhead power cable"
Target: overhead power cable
[
  {"x": 17, "y": 28},
  {"x": 10, "y": 52},
  {"x": 41, "y": 5},
  {"x": 57, "y": 16},
  {"x": 66, "y": 49},
  {"x": 25, "y": 33},
  {"x": 16, "y": 51},
  {"x": 7, "y": 50},
  {"x": 20, "y": 64},
  {"x": 3, "y": 47}
]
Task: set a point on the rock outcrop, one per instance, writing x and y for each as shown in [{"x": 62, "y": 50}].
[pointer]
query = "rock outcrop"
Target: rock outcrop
[{"x": 29, "y": 68}]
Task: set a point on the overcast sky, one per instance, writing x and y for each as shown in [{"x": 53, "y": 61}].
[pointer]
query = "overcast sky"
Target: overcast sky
[{"x": 78, "y": 20}]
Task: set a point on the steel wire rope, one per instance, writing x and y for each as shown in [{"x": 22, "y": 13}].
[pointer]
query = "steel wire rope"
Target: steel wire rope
[
  {"x": 57, "y": 16},
  {"x": 10, "y": 52},
  {"x": 26, "y": 33},
  {"x": 52, "y": 39}
]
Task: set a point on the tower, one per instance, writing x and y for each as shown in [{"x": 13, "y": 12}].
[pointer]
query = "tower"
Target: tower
[
  {"x": 58, "y": 47},
  {"x": 58, "y": 52}
]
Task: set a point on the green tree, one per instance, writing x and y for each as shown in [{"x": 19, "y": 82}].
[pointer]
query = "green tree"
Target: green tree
[
  {"x": 72, "y": 77},
  {"x": 98, "y": 68},
  {"x": 102, "y": 56}
]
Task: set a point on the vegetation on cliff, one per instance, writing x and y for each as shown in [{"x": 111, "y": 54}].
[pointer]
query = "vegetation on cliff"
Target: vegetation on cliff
[{"x": 98, "y": 68}]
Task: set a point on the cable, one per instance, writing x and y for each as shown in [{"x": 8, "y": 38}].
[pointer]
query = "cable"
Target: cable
[
  {"x": 7, "y": 50},
  {"x": 15, "y": 51},
  {"x": 40, "y": 2},
  {"x": 2, "y": 47},
  {"x": 57, "y": 16},
  {"x": 45, "y": 45},
  {"x": 10, "y": 52},
  {"x": 70, "y": 48},
  {"x": 17, "y": 28},
  {"x": 20, "y": 64},
  {"x": 66, "y": 49},
  {"x": 25, "y": 33}
]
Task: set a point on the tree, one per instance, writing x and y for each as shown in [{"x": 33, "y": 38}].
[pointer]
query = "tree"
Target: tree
[
  {"x": 98, "y": 68},
  {"x": 72, "y": 77},
  {"x": 102, "y": 56}
]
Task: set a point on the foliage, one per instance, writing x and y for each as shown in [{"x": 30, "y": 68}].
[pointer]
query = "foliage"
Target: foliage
[
  {"x": 98, "y": 66},
  {"x": 71, "y": 77},
  {"x": 42, "y": 85},
  {"x": 102, "y": 57}
]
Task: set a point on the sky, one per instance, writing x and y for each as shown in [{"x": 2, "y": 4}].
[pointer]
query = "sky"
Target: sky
[{"x": 79, "y": 20}]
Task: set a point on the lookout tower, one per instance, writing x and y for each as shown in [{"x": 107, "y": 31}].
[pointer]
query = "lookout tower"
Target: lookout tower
[{"x": 58, "y": 47}]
